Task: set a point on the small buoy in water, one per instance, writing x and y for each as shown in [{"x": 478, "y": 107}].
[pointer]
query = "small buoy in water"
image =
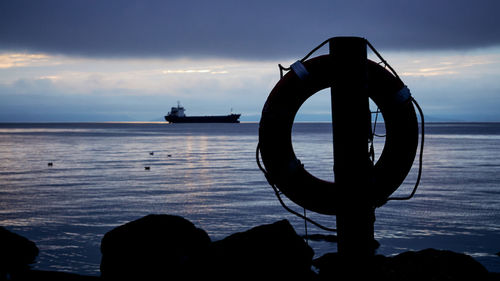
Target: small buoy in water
[
  {"x": 50, "y": 164},
  {"x": 147, "y": 168},
  {"x": 152, "y": 153},
  {"x": 170, "y": 155}
]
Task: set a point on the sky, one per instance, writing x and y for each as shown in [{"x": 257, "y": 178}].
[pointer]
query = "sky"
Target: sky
[{"x": 124, "y": 60}]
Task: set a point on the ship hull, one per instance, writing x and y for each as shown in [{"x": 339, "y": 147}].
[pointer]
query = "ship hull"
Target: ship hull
[{"x": 232, "y": 118}]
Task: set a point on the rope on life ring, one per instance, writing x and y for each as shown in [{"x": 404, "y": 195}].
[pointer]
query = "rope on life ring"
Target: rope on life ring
[{"x": 286, "y": 173}]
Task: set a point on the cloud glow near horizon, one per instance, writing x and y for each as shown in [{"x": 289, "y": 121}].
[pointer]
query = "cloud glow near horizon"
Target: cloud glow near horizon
[{"x": 438, "y": 79}]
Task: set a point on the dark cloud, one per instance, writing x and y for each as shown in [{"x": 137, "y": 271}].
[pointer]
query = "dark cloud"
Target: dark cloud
[{"x": 249, "y": 29}]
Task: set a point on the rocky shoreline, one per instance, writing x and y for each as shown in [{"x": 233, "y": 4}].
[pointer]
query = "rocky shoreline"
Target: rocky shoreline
[{"x": 166, "y": 247}]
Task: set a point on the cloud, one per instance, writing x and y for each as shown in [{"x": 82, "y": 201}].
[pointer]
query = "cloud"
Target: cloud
[
  {"x": 11, "y": 60},
  {"x": 241, "y": 29},
  {"x": 454, "y": 85},
  {"x": 132, "y": 89},
  {"x": 194, "y": 71},
  {"x": 452, "y": 65},
  {"x": 188, "y": 71}
]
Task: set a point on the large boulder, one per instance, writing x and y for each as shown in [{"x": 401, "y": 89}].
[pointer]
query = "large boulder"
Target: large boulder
[
  {"x": 16, "y": 253},
  {"x": 429, "y": 264},
  {"x": 266, "y": 252},
  {"x": 432, "y": 264},
  {"x": 152, "y": 248},
  {"x": 171, "y": 248}
]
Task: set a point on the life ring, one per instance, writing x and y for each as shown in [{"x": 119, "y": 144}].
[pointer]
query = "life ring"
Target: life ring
[{"x": 286, "y": 172}]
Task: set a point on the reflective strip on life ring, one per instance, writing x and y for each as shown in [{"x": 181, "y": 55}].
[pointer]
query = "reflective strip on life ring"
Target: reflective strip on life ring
[{"x": 275, "y": 136}]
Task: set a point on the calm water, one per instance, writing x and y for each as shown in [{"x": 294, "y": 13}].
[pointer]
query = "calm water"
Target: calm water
[{"x": 207, "y": 174}]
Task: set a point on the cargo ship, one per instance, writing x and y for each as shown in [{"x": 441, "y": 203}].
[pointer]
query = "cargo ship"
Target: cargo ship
[{"x": 176, "y": 115}]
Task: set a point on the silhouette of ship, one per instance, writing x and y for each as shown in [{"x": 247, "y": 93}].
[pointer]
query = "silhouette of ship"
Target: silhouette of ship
[{"x": 176, "y": 115}]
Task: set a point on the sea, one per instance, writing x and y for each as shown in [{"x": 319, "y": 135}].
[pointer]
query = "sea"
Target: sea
[{"x": 103, "y": 175}]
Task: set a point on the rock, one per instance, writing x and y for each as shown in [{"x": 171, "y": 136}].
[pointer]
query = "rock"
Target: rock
[
  {"x": 429, "y": 264},
  {"x": 151, "y": 248},
  {"x": 432, "y": 264},
  {"x": 267, "y": 252},
  {"x": 171, "y": 248},
  {"x": 16, "y": 253}
]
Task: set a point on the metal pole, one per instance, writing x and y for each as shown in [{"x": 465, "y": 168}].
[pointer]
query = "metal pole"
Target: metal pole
[{"x": 350, "y": 121}]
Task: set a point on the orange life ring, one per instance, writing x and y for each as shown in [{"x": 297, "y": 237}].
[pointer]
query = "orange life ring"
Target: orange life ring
[{"x": 286, "y": 172}]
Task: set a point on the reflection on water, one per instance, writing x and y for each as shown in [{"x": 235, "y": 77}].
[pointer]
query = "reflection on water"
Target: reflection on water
[{"x": 207, "y": 173}]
